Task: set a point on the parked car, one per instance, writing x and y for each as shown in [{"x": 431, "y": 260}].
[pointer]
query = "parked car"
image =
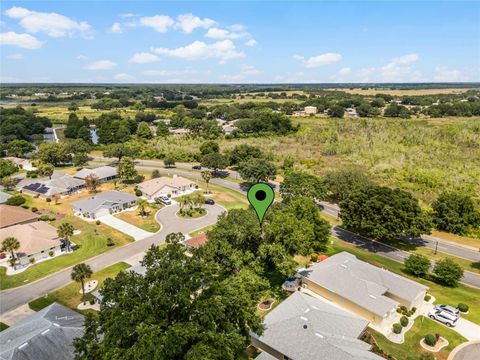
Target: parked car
[
  {"x": 196, "y": 167},
  {"x": 447, "y": 308},
  {"x": 444, "y": 317},
  {"x": 209, "y": 201},
  {"x": 164, "y": 199}
]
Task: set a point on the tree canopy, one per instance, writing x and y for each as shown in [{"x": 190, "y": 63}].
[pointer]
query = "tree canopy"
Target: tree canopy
[
  {"x": 455, "y": 213},
  {"x": 300, "y": 183}
]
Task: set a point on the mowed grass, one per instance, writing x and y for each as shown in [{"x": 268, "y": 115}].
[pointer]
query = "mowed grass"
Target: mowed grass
[
  {"x": 411, "y": 348},
  {"x": 464, "y": 240},
  {"x": 91, "y": 241},
  {"x": 228, "y": 198},
  {"x": 147, "y": 223},
  {"x": 70, "y": 295},
  {"x": 3, "y": 326},
  {"x": 444, "y": 295}
]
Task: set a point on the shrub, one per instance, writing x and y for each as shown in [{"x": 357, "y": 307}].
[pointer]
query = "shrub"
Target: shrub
[
  {"x": 397, "y": 328},
  {"x": 98, "y": 222},
  {"x": 138, "y": 192},
  {"x": 46, "y": 217},
  {"x": 448, "y": 272},
  {"x": 92, "y": 301},
  {"x": 16, "y": 200},
  {"x": 48, "y": 199},
  {"x": 26, "y": 207},
  {"x": 313, "y": 257},
  {"x": 430, "y": 340},
  {"x": 427, "y": 297},
  {"x": 399, "y": 310},
  {"x": 403, "y": 308},
  {"x": 417, "y": 265},
  {"x": 51, "y": 253},
  {"x": 34, "y": 209},
  {"x": 32, "y": 260},
  {"x": 110, "y": 242},
  {"x": 413, "y": 310},
  {"x": 404, "y": 321},
  {"x": 462, "y": 307}
]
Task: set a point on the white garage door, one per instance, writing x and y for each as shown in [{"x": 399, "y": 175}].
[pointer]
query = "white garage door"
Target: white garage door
[{"x": 101, "y": 212}]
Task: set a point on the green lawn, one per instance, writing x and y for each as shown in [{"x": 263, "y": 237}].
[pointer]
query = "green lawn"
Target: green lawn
[
  {"x": 3, "y": 326},
  {"x": 191, "y": 213},
  {"x": 411, "y": 348},
  {"x": 91, "y": 241},
  {"x": 70, "y": 296},
  {"x": 228, "y": 198},
  {"x": 147, "y": 223},
  {"x": 446, "y": 295}
]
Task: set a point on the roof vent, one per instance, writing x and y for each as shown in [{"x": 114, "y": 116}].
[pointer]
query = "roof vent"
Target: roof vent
[
  {"x": 319, "y": 335},
  {"x": 303, "y": 318},
  {"x": 45, "y": 331},
  {"x": 372, "y": 296},
  {"x": 305, "y": 326},
  {"x": 22, "y": 346},
  {"x": 343, "y": 266},
  {"x": 306, "y": 311}
]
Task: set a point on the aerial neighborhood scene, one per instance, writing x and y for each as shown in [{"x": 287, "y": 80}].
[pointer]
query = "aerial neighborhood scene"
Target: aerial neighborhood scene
[{"x": 222, "y": 180}]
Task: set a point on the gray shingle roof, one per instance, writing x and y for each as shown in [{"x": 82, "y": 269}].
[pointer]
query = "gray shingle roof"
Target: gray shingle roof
[
  {"x": 4, "y": 197},
  {"x": 46, "y": 335},
  {"x": 362, "y": 283},
  {"x": 101, "y": 172},
  {"x": 305, "y": 328},
  {"x": 107, "y": 199}
]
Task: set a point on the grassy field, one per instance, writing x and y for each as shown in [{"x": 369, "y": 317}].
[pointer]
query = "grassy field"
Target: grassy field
[
  {"x": 398, "y": 92},
  {"x": 445, "y": 295},
  {"x": 3, "y": 326},
  {"x": 90, "y": 242},
  {"x": 70, "y": 295},
  {"x": 465, "y": 240},
  {"x": 147, "y": 223},
  {"x": 411, "y": 348}
]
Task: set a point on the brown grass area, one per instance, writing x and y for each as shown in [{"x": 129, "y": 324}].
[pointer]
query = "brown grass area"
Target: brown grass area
[
  {"x": 147, "y": 223},
  {"x": 398, "y": 92},
  {"x": 456, "y": 238}
]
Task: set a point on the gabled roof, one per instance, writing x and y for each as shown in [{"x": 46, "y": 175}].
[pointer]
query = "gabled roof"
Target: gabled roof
[
  {"x": 101, "y": 172},
  {"x": 45, "y": 335},
  {"x": 11, "y": 215},
  {"x": 196, "y": 241},
  {"x": 152, "y": 186},
  {"x": 305, "y": 328},
  {"x": 4, "y": 197},
  {"x": 57, "y": 185},
  {"x": 362, "y": 283},
  {"x": 33, "y": 237},
  {"x": 107, "y": 199}
]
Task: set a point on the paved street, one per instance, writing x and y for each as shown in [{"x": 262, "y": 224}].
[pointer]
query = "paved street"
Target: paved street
[{"x": 13, "y": 298}]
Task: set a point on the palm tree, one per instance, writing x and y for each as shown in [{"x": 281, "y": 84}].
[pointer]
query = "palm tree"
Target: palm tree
[
  {"x": 10, "y": 244},
  {"x": 206, "y": 175},
  {"x": 80, "y": 272},
  {"x": 65, "y": 231},
  {"x": 142, "y": 204}
]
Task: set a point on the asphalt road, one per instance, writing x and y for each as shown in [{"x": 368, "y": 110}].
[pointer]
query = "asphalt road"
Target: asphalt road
[{"x": 13, "y": 298}]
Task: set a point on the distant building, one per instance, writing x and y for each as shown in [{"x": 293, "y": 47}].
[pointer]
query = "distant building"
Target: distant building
[
  {"x": 61, "y": 185},
  {"x": 196, "y": 241},
  {"x": 305, "y": 328},
  {"x": 229, "y": 129},
  {"x": 166, "y": 186},
  {"x": 103, "y": 204},
  {"x": 179, "y": 131},
  {"x": 103, "y": 173},
  {"x": 369, "y": 291},
  {"x": 350, "y": 112},
  {"x": 45, "y": 335},
  {"x": 24, "y": 164},
  {"x": 310, "y": 110}
]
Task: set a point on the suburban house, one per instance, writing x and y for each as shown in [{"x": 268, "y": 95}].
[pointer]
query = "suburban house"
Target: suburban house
[
  {"x": 24, "y": 164},
  {"x": 36, "y": 240},
  {"x": 103, "y": 173},
  {"x": 61, "y": 185},
  {"x": 4, "y": 197},
  {"x": 102, "y": 204},
  {"x": 196, "y": 241},
  {"x": 166, "y": 186},
  {"x": 14, "y": 215},
  {"x": 366, "y": 290},
  {"x": 305, "y": 328},
  {"x": 44, "y": 335}
]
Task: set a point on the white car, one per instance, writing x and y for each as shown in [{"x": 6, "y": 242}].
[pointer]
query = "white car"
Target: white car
[
  {"x": 164, "y": 200},
  {"x": 444, "y": 317}
]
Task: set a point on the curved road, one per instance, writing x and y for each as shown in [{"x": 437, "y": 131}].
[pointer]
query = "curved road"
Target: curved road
[{"x": 13, "y": 298}]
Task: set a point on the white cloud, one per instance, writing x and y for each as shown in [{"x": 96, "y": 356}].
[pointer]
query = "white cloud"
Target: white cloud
[
  {"x": 144, "y": 58},
  {"x": 290, "y": 77},
  {"x": 188, "y": 22},
  {"x": 160, "y": 23},
  {"x": 444, "y": 74},
  {"x": 251, "y": 42},
  {"x": 24, "y": 41},
  {"x": 53, "y": 24},
  {"x": 127, "y": 15},
  {"x": 398, "y": 69},
  {"x": 406, "y": 59},
  {"x": 319, "y": 60},
  {"x": 82, "y": 57},
  {"x": 164, "y": 73},
  {"x": 247, "y": 74},
  {"x": 198, "y": 50},
  {"x": 345, "y": 71},
  {"x": 15, "y": 56},
  {"x": 116, "y": 28},
  {"x": 218, "y": 33},
  {"x": 123, "y": 77},
  {"x": 101, "y": 65},
  {"x": 341, "y": 74}
]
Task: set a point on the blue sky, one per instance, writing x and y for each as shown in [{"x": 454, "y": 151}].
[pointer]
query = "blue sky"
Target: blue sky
[{"x": 239, "y": 41}]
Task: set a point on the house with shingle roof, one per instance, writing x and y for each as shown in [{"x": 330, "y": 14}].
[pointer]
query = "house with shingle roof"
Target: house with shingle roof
[
  {"x": 102, "y": 204},
  {"x": 13, "y": 215},
  {"x": 45, "y": 335},
  {"x": 369, "y": 291},
  {"x": 305, "y": 328},
  {"x": 4, "y": 197},
  {"x": 166, "y": 186},
  {"x": 103, "y": 173},
  {"x": 61, "y": 184}
]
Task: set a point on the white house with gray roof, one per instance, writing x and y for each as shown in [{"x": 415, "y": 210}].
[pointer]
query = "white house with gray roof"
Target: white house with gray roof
[
  {"x": 103, "y": 204},
  {"x": 369, "y": 291},
  {"x": 305, "y": 328},
  {"x": 45, "y": 335},
  {"x": 103, "y": 173}
]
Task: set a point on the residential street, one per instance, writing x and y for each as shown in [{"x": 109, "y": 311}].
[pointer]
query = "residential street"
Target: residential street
[{"x": 13, "y": 298}]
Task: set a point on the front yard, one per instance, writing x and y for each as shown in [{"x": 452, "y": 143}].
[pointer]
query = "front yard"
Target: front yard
[
  {"x": 147, "y": 223},
  {"x": 411, "y": 348}
]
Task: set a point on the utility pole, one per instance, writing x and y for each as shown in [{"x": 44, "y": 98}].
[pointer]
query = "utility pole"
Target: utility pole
[{"x": 436, "y": 247}]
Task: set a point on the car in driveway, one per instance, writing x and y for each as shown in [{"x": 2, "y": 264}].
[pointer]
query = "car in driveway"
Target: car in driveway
[
  {"x": 196, "y": 167},
  {"x": 444, "y": 317},
  {"x": 163, "y": 199},
  {"x": 447, "y": 308},
  {"x": 209, "y": 202}
]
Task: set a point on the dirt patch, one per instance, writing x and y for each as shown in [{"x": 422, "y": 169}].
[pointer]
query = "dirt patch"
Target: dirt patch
[{"x": 265, "y": 305}]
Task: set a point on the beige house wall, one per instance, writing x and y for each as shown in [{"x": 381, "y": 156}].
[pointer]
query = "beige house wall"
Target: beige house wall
[
  {"x": 25, "y": 260},
  {"x": 346, "y": 304},
  {"x": 417, "y": 302}
]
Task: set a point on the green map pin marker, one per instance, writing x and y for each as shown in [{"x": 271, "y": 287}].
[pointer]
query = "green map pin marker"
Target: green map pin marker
[{"x": 261, "y": 196}]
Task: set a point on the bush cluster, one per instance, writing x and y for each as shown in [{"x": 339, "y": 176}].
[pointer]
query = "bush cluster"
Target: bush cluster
[
  {"x": 397, "y": 328},
  {"x": 463, "y": 307},
  {"x": 430, "y": 340},
  {"x": 404, "y": 321}
]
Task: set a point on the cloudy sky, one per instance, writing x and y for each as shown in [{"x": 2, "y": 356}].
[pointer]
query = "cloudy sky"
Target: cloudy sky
[{"x": 239, "y": 41}]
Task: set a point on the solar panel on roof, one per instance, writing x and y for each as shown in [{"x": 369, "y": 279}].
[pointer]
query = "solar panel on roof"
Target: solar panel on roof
[
  {"x": 32, "y": 187},
  {"x": 43, "y": 189}
]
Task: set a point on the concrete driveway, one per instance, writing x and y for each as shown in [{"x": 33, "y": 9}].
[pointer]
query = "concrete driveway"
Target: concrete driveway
[
  {"x": 468, "y": 329},
  {"x": 124, "y": 227}
]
